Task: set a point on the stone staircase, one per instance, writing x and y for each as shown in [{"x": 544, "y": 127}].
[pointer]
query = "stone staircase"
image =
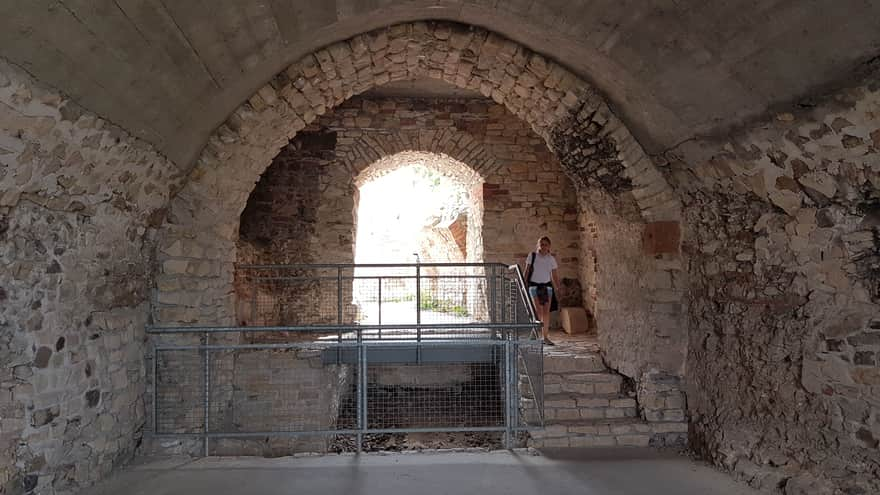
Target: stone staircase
[{"x": 585, "y": 405}]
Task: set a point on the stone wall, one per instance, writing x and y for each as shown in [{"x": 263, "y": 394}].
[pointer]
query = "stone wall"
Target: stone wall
[
  {"x": 196, "y": 247},
  {"x": 632, "y": 289},
  {"x": 78, "y": 197},
  {"x": 592, "y": 146},
  {"x": 784, "y": 248},
  {"x": 524, "y": 193}
]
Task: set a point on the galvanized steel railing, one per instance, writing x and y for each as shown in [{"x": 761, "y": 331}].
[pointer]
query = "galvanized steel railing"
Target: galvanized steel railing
[{"x": 468, "y": 361}]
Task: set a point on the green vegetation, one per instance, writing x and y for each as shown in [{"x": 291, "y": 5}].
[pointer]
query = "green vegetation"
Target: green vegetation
[{"x": 429, "y": 303}]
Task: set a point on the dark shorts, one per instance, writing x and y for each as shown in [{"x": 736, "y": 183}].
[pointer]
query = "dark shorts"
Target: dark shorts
[{"x": 533, "y": 291}]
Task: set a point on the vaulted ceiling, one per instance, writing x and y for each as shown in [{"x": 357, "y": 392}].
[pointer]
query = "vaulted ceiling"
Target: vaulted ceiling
[{"x": 170, "y": 71}]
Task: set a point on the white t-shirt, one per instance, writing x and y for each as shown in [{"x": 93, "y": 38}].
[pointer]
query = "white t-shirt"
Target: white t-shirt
[{"x": 544, "y": 266}]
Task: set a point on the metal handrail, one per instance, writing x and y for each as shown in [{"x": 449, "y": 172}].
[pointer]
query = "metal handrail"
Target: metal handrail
[
  {"x": 364, "y": 265},
  {"x": 336, "y": 328},
  {"x": 524, "y": 293},
  {"x": 505, "y": 340}
]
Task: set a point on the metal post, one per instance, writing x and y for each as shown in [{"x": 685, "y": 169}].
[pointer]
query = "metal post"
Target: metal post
[
  {"x": 514, "y": 382},
  {"x": 360, "y": 402},
  {"x": 362, "y": 395},
  {"x": 339, "y": 312},
  {"x": 418, "y": 311},
  {"x": 206, "y": 342},
  {"x": 493, "y": 294},
  {"x": 508, "y": 440},
  {"x": 155, "y": 389},
  {"x": 380, "y": 307},
  {"x": 339, "y": 298},
  {"x": 504, "y": 293},
  {"x": 418, "y": 303}
]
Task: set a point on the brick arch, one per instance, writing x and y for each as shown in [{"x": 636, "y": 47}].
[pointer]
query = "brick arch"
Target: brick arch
[
  {"x": 372, "y": 150},
  {"x": 439, "y": 162},
  {"x": 465, "y": 174},
  {"x": 196, "y": 244}
]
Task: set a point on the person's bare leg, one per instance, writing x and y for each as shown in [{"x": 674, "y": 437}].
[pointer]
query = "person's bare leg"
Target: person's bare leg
[
  {"x": 539, "y": 313},
  {"x": 544, "y": 315},
  {"x": 546, "y": 321}
]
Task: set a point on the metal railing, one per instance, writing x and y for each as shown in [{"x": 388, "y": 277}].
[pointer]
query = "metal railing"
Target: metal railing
[{"x": 315, "y": 360}]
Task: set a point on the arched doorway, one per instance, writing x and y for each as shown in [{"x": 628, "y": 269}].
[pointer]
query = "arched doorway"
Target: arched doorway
[
  {"x": 424, "y": 208},
  {"x": 593, "y": 147}
]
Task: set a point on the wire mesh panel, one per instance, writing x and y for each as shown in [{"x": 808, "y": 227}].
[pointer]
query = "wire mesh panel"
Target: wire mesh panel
[
  {"x": 332, "y": 350},
  {"x": 294, "y": 295},
  {"x": 179, "y": 391},
  {"x": 530, "y": 379},
  {"x": 280, "y": 390},
  {"x": 446, "y": 395}
]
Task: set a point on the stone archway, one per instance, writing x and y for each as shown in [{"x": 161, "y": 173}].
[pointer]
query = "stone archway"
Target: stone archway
[
  {"x": 459, "y": 146},
  {"x": 466, "y": 177},
  {"x": 196, "y": 245},
  {"x": 195, "y": 248}
]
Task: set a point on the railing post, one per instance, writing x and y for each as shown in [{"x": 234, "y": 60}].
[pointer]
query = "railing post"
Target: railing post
[
  {"x": 493, "y": 294},
  {"x": 339, "y": 298},
  {"x": 206, "y": 341},
  {"x": 155, "y": 388},
  {"x": 380, "y": 307},
  {"x": 514, "y": 382},
  {"x": 339, "y": 312},
  {"x": 504, "y": 293},
  {"x": 361, "y": 392},
  {"x": 418, "y": 303},
  {"x": 418, "y": 311},
  {"x": 508, "y": 430}
]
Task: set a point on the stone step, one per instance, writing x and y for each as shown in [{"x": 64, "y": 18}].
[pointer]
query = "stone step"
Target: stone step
[
  {"x": 567, "y": 407},
  {"x": 582, "y": 383},
  {"x": 562, "y": 407},
  {"x": 568, "y": 363},
  {"x": 623, "y": 432}
]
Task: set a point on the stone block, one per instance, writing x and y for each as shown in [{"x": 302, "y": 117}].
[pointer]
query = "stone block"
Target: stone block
[
  {"x": 574, "y": 320},
  {"x": 661, "y": 237},
  {"x": 633, "y": 440},
  {"x": 607, "y": 388},
  {"x": 590, "y": 441},
  {"x": 600, "y": 402}
]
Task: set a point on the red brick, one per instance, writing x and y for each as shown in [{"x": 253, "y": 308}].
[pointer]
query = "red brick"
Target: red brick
[{"x": 661, "y": 237}]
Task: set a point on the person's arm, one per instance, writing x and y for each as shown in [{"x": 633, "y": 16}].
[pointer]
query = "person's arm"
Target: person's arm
[{"x": 554, "y": 277}]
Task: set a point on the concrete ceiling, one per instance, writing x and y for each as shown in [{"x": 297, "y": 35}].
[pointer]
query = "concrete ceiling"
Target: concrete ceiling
[{"x": 170, "y": 71}]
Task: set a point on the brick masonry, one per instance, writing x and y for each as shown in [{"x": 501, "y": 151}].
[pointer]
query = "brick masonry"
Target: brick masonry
[
  {"x": 197, "y": 245},
  {"x": 85, "y": 203},
  {"x": 769, "y": 305},
  {"x": 306, "y": 201}
]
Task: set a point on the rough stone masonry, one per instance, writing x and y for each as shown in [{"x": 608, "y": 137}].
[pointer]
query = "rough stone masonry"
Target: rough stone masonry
[{"x": 741, "y": 267}]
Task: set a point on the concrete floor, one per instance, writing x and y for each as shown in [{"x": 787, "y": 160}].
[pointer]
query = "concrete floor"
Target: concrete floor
[{"x": 585, "y": 472}]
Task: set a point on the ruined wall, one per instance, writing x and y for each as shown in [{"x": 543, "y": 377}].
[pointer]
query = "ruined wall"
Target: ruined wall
[
  {"x": 631, "y": 263},
  {"x": 525, "y": 193},
  {"x": 78, "y": 197},
  {"x": 196, "y": 247},
  {"x": 784, "y": 248},
  {"x": 292, "y": 193},
  {"x": 632, "y": 288}
]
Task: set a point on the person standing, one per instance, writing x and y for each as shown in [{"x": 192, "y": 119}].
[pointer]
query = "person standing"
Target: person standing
[{"x": 543, "y": 281}]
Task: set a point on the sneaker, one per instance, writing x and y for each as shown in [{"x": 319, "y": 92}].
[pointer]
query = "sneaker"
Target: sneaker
[{"x": 548, "y": 342}]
